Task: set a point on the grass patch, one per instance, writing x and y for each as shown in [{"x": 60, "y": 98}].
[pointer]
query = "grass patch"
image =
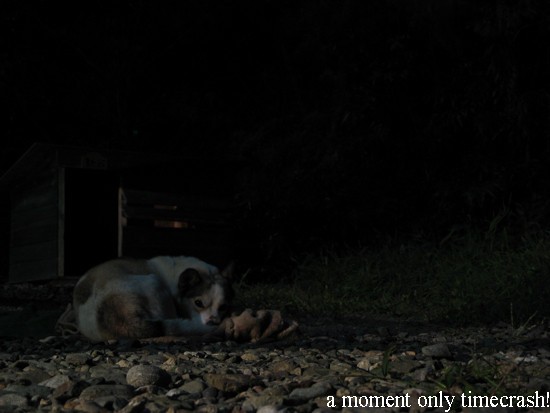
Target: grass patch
[{"x": 470, "y": 280}]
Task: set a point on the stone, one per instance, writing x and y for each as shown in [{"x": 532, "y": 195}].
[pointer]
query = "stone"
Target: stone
[
  {"x": 316, "y": 371},
  {"x": 229, "y": 383},
  {"x": 308, "y": 393},
  {"x": 13, "y": 400},
  {"x": 102, "y": 390},
  {"x": 29, "y": 391},
  {"x": 250, "y": 357},
  {"x": 56, "y": 381},
  {"x": 144, "y": 375},
  {"x": 34, "y": 374},
  {"x": 192, "y": 387},
  {"x": 403, "y": 365},
  {"x": 283, "y": 366},
  {"x": 77, "y": 359},
  {"x": 339, "y": 366},
  {"x": 264, "y": 400},
  {"x": 269, "y": 409},
  {"x": 135, "y": 405},
  {"x": 86, "y": 406},
  {"x": 438, "y": 350},
  {"x": 108, "y": 373},
  {"x": 69, "y": 390}
]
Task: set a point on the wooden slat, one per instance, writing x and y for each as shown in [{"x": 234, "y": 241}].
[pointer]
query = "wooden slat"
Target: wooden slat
[
  {"x": 158, "y": 241},
  {"x": 183, "y": 201},
  {"x": 41, "y": 232},
  {"x": 167, "y": 235},
  {"x": 32, "y": 271},
  {"x": 33, "y": 252},
  {"x": 30, "y": 218},
  {"x": 207, "y": 227},
  {"x": 35, "y": 197},
  {"x": 147, "y": 212},
  {"x": 212, "y": 255}
]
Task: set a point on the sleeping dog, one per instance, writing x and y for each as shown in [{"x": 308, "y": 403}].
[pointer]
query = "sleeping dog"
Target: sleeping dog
[{"x": 163, "y": 296}]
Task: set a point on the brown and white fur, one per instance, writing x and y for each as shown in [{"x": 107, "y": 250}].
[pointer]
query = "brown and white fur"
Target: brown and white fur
[{"x": 163, "y": 296}]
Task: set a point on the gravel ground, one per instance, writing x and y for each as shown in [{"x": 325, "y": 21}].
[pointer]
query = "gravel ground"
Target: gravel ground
[{"x": 338, "y": 362}]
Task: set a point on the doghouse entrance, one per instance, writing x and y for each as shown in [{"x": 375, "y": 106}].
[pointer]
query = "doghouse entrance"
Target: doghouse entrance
[{"x": 91, "y": 218}]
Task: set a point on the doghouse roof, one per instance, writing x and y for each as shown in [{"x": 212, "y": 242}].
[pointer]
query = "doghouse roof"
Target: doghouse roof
[{"x": 43, "y": 158}]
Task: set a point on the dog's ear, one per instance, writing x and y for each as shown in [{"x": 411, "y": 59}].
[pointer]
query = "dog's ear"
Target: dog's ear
[
  {"x": 227, "y": 272},
  {"x": 188, "y": 279}
]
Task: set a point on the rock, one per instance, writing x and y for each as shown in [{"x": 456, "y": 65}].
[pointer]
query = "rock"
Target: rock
[
  {"x": 283, "y": 366},
  {"x": 210, "y": 392},
  {"x": 135, "y": 405},
  {"x": 269, "y": 409},
  {"x": 438, "y": 350},
  {"x": 316, "y": 371},
  {"x": 308, "y": 393},
  {"x": 144, "y": 375},
  {"x": 69, "y": 390},
  {"x": 34, "y": 374},
  {"x": 229, "y": 383},
  {"x": 111, "y": 402},
  {"x": 77, "y": 359},
  {"x": 108, "y": 373},
  {"x": 339, "y": 366},
  {"x": 13, "y": 400},
  {"x": 265, "y": 400},
  {"x": 192, "y": 387},
  {"x": 56, "y": 381},
  {"x": 403, "y": 365},
  {"x": 421, "y": 374},
  {"x": 271, "y": 396},
  {"x": 86, "y": 406},
  {"x": 29, "y": 391},
  {"x": 365, "y": 364},
  {"x": 102, "y": 390},
  {"x": 248, "y": 356}
]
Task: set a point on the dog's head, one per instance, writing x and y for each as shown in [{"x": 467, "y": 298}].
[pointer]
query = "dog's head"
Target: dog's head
[{"x": 207, "y": 294}]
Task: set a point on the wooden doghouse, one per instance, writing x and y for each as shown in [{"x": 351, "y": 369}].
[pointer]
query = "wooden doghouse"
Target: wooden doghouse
[{"x": 72, "y": 208}]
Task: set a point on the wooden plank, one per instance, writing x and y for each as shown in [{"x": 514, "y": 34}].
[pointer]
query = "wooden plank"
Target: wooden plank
[
  {"x": 122, "y": 220},
  {"x": 40, "y": 232},
  {"x": 140, "y": 243},
  {"x": 183, "y": 201},
  {"x": 21, "y": 220},
  {"x": 33, "y": 271},
  {"x": 150, "y": 212},
  {"x": 212, "y": 254},
  {"x": 154, "y": 241},
  {"x": 167, "y": 235},
  {"x": 4, "y": 238},
  {"x": 34, "y": 252},
  {"x": 60, "y": 224},
  {"x": 35, "y": 197},
  {"x": 182, "y": 226}
]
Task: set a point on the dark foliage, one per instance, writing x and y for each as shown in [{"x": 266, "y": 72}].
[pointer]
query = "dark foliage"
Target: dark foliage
[{"x": 360, "y": 121}]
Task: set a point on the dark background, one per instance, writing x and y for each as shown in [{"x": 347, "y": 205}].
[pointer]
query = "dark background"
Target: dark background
[{"x": 359, "y": 122}]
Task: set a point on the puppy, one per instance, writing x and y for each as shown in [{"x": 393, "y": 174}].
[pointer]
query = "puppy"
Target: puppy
[{"x": 163, "y": 296}]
